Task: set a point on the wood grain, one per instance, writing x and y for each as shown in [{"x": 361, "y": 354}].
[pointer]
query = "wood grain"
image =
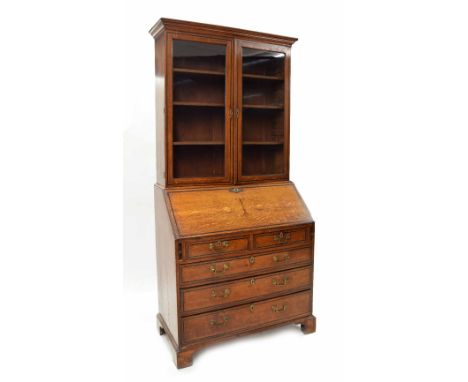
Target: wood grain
[
  {"x": 279, "y": 238},
  {"x": 245, "y": 316},
  {"x": 223, "y": 245},
  {"x": 248, "y": 289},
  {"x": 166, "y": 265},
  {"x": 234, "y": 239},
  {"x": 205, "y": 211},
  {"x": 224, "y": 269},
  {"x": 217, "y": 30}
]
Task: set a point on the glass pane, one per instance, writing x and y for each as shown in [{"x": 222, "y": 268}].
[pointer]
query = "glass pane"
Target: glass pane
[
  {"x": 263, "y": 112},
  {"x": 198, "y": 109},
  {"x": 199, "y": 55},
  {"x": 262, "y": 62},
  {"x": 262, "y": 160}
]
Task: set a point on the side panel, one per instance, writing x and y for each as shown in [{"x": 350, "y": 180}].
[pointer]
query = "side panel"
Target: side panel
[
  {"x": 166, "y": 263},
  {"x": 160, "y": 83}
]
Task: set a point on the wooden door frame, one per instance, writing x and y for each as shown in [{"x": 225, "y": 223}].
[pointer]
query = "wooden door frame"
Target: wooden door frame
[
  {"x": 239, "y": 44},
  {"x": 228, "y": 107}
]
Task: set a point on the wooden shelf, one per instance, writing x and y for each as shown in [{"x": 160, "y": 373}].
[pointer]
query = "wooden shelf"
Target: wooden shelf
[
  {"x": 263, "y": 77},
  {"x": 205, "y": 104},
  {"x": 199, "y": 71},
  {"x": 260, "y": 143},
  {"x": 273, "y": 107},
  {"x": 198, "y": 143}
]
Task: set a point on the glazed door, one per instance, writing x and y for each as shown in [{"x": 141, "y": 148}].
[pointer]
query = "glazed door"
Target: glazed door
[
  {"x": 262, "y": 79},
  {"x": 199, "y": 112}
]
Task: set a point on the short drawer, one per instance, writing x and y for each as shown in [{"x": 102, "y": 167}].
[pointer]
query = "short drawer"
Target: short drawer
[
  {"x": 245, "y": 289},
  {"x": 225, "y": 245},
  {"x": 218, "y": 270},
  {"x": 279, "y": 238},
  {"x": 246, "y": 317}
]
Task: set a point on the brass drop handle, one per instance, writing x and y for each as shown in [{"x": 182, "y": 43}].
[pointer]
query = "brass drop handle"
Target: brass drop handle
[
  {"x": 219, "y": 323},
  {"x": 277, "y": 308},
  {"x": 277, "y": 258},
  {"x": 282, "y": 237},
  {"x": 280, "y": 282},
  {"x": 251, "y": 308},
  {"x": 224, "y": 294},
  {"x": 251, "y": 260},
  {"x": 219, "y": 244},
  {"x": 213, "y": 269}
]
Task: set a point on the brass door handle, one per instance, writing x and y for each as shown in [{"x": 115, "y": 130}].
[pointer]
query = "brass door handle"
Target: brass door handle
[
  {"x": 213, "y": 269},
  {"x": 277, "y": 308},
  {"x": 219, "y": 323},
  {"x": 277, "y": 259},
  {"x": 224, "y": 294},
  {"x": 219, "y": 244},
  {"x": 282, "y": 237},
  {"x": 280, "y": 282}
]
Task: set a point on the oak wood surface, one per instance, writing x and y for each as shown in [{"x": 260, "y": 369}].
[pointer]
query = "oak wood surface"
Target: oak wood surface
[
  {"x": 245, "y": 316},
  {"x": 204, "y": 211},
  {"x": 166, "y": 265},
  {"x": 219, "y": 270},
  {"x": 251, "y": 288},
  {"x": 234, "y": 239},
  {"x": 183, "y": 355},
  {"x": 204, "y": 82},
  {"x": 279, "y": 238},
  {"x": 223, "y": 254},
  {"x": 217, "y": 30},
  {"x": 237, "y": 244}
]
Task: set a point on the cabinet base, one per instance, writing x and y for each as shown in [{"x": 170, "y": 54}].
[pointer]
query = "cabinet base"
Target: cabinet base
[{"x": 183, "y": 357}]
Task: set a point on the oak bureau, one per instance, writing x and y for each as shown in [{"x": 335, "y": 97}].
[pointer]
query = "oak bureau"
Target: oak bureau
[{"x": 234, "y": 239}]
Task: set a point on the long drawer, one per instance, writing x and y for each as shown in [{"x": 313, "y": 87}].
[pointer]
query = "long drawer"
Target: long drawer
[
  {"x": 246, "y": 316},
  {"x": 245, "y": 289},
  {"x": 218, "y": 270}
]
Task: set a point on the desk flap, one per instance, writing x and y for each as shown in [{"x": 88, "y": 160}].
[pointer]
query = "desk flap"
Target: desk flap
[{"x": 198, "y": 212}]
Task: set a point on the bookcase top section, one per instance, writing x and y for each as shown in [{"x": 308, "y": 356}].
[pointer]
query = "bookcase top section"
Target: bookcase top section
[
  {"x": 216, "y": 30},
  {"x": 210, "y": 211}
]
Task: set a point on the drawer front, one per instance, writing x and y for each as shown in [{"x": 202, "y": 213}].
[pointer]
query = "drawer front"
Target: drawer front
[
  {"x": 218, "y": 270},
  {"x": 226, "y": 245},
  {"x": 279, "y": 238},
  {"x": 246, "y": 316},
  {"x": 245, "y": 289}
]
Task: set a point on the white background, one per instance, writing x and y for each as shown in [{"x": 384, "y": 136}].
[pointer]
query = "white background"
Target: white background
[{"x": 378, "y": 151}]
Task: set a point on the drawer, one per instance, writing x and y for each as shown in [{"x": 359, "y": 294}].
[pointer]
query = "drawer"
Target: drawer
[
  {"x": 224, "y": 245},
  {"x": 246, "y": 317},
  {"x": 217, "y": 270},
  {"x": 245, "y": 289},
  {"x": 278, "y": 238}
]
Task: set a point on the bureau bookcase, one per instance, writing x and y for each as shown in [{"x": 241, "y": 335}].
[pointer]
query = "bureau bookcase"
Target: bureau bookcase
[{"x": 234, "y": 239}]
